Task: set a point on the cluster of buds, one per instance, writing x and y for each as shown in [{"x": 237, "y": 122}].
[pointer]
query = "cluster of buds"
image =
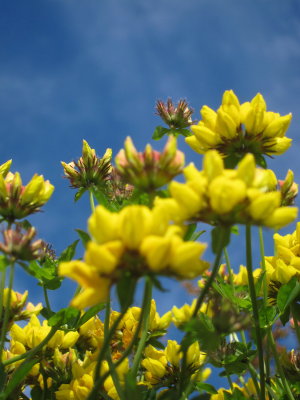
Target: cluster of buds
[
  {"x": 178, "y": 117},
  {"x": 17, "y": 201},
  {"x": 19, "y": 308},
  {"x": 19, "y": 244},
  {"x": 288, "y": 189},
  {"x": 89, "y": 170},
  {"x": 151, "y": 169},
  {"x": 118, "y": 190}
]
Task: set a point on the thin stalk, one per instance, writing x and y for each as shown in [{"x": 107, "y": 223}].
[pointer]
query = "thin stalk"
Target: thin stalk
[
  {"x": 209, "y": 282},
  {"x": 7, "y": 306},
  {"x": 145, "y": 325},
  {"x": 296, "y": 325},
  {"x": 112, "y": 368},
  {"x": 228, "y": 265},
  {"x": 265, "y": 296},
  {"x": 105, "y": 345},
  {"x": 98, "y": 383},
  {"x": 2, "y": 286},
  {"x": 92, "y": 203},
  {"x": 48, "y": 306},
  {"x": 229, "y": 380},
  {"x": 213, "y": 274},
  {"x": 259, "y": 343},
  {"x": 279, "y": 367}
]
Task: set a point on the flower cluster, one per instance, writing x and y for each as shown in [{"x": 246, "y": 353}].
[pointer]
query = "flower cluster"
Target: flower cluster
[
  {"x": 151, "y": 169},
  {"x": 18, "y": 201},
  {"x": 137, "y": 240},
  {"x": 246, "y": 195},
  {"x": 89, "y": 170},
  {"x": 236, "y": 129}
]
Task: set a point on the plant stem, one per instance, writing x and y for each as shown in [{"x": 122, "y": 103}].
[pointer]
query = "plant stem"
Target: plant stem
[
  {"x": 200, "y": 300},
  {"x": 47, "y": 299},
  {"x": 296, "y": 325},
  {"x": 265, "y": 296},
  {"x": 7, "y": 307},
  {"x": 255, "y": 313},
  {"x": 112, "y": 368},
  {"x": 279, "y": 367},
  {"x": 92, "y": 203},
  {"x": 214, "y": 272},
  {"x": 145, "y": 327},
  {"x": 98, "y": 383},
  {"x": 2, "y": 286},
  {"x": 228, "y": 265}
]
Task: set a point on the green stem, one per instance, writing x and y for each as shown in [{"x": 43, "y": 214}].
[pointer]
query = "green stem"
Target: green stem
[
  {"x": 7, "y": 307},
  {"x": 200, "y": 300},
  {"x": 251, "y": 285},
  {"x": 279, "y": 367},
  {"x": 28, "y": 356},
  {"x": 48, "y": 306},
  {"x": 92, "y": 203},
  {"x": 216, "y": 266},
  {"x": 228, "y": 265},
  {"x": 265, "y": 296},
  {"x": 2, "y": 286},
  {"x": 145, "y": 327},
  {"x": 297, "y": 328},
  {"x": 98, "y": 383},
  {"x": 112, "y": 368}
]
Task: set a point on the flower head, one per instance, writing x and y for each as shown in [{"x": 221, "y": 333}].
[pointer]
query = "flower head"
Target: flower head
[
  {"x": 151, "y": 169},
  {"x": 17, "y": 201},
  {"x": 89, "y": 170},
  {"x": 236, "y": 129},
  {"x": 136, "y": 240},
  {"x": 246, "y": 195},
  {"x": 176, "y": 117}
]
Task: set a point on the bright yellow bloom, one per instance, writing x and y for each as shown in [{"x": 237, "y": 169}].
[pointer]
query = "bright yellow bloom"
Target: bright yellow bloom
[
  {"x": 246, "y": 195},
  {"x": 236, "y": 129},
  {"x": 286, "y": 262},
  {"x": 138, "y": 239},
  {"x": 18, "y": 201}
]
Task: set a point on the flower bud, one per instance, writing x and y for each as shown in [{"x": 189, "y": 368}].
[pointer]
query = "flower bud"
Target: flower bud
[{"x": 178, "y": 117}]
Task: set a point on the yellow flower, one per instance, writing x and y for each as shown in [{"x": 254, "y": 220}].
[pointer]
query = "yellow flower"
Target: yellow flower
[
  {"x": 228, "y": 196},
  {"x": 18, "y": 201},
  {"x": 137, "y": 239},
  {"x": 235, "y": 129}
]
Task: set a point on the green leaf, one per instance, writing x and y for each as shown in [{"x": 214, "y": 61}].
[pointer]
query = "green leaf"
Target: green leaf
[
  {"x": 3, "y": 376},
  {"x": 69, "y": 252},
  {"x": 19, "y": 375},
  {"x": 205, "y": 387},
  {"x": 103, "y": 199},
  {"x": 260, "y": 160},
  {"x": 184, "y": 132},
  {"x": 217, "y": 234},
  {"x": 156, "y": 343},
  {"x": 203, "y": 330},
  {"x": 267, "y": 315},
  {"x": 288, "y": 293},
  {"x": 79, "y": 194},
  {"x": 158, "y": 284},
  {"x": 90, "y": 313},
  {"x": 126, "y": 290},
  {"x": 65, "y": 317},
  {"x": 84, "y": 236},
  {"x": 191, "y": 228},
  {"x": 159, "y": 132}
]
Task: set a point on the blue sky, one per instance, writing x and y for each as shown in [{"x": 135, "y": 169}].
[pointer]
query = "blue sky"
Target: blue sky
[{"x": 73, "y": 70}]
